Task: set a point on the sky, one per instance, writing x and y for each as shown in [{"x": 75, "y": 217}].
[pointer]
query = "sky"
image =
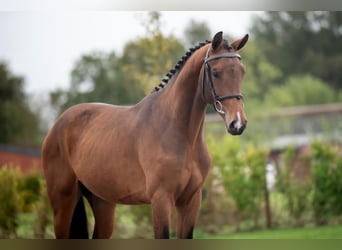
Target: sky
[{"x": 43, "y": 45}]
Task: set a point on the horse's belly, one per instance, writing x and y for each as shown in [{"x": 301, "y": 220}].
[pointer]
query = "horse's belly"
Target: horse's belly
[
  {"x": 121, "y": 193},
  {"x": 123, "y": 185}
]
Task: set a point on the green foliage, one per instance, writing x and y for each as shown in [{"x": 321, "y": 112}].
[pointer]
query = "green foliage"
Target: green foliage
[
  {"x": 252, "y": 178},
  {"x": 332, "y": 232},
  {"x": 98, "y": 77},
  {"x": 23, "y": 196},
  {"x": 243, "y": 175},
  {"x": 18, "y": 124},
  {"x": 296, "y": 200},
  {"x": 146, "y": 60},
  {"x": 41, "y": 208},
  {"x": 29, "y": 188},
  {"x": 9, "y": 201},
  {"x": 327, "y": 176},
  {"x": 296, "y": 192},
  {"x": 196, "y": 32},
  {"x": 122, "y": 80},
  {"x": 300, "y": 90},
  {"x": 261, "y": 73},
  {"x": 302, "y": 43},
  {"x": 133, "y": 222},
  {"x": 316, "y": 197},
  {"x": 217, "y": 208}
]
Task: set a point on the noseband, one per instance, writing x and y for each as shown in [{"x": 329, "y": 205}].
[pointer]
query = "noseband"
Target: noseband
[{"x": 217, "y": 99}]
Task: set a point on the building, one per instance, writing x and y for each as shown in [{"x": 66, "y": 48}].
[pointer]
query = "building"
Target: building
[{"x": 23, "y": 158}]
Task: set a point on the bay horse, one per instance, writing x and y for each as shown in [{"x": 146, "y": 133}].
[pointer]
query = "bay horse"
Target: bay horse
[{"x": 153, "y": 152}]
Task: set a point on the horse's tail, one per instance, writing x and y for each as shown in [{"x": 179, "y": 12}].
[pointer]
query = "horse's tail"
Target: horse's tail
[{"x": 79, "y": 225}]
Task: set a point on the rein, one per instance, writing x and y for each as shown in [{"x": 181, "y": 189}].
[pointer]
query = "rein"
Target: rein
[{"x": 217, "y": 99}]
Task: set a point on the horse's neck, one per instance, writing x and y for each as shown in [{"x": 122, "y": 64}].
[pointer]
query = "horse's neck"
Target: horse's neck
[{"x": 184, "y": 97}]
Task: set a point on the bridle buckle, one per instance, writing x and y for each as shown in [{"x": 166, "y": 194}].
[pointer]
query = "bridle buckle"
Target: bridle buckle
[{"x": 218, "y": 107}]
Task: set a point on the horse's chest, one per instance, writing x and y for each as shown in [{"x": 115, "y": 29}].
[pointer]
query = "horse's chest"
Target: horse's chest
[
  {"x": 189, "y": 188},
  {"x": 193, "y": 182}
]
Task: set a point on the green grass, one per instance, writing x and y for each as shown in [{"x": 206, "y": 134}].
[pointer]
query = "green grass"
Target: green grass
[{"x": 326, "y": 232}]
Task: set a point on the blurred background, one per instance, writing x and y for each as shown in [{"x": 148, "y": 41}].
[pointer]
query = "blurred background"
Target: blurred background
[{"x": 281, "y": 179}]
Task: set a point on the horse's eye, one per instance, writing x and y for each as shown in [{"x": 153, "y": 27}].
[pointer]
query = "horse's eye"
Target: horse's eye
[{"x": 216, "y": 74}]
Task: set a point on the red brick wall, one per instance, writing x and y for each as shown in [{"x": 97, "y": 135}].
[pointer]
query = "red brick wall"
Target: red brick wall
[{"x": 24, "y": 162}]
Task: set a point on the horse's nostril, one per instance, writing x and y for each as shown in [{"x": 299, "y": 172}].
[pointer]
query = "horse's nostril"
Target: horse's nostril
[
  {"x": 232, "y": 126},
  {"x": 236, "y": 128}
]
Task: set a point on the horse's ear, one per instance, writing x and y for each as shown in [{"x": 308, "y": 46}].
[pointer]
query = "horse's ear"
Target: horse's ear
[
  {"x": 238, "y": 44},
  {"x": 217, "y": 40}
]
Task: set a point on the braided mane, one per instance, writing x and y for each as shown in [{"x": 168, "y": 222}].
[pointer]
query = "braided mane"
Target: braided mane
[{"x": 178, "y": 66}]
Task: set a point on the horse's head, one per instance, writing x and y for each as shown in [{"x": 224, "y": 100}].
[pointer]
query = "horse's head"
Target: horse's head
[{"x": 222, "y": 81}]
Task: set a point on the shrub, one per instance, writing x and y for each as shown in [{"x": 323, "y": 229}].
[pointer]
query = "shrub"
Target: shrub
[
  {"x": 327, "y": 176},
  {"x": 24, "y": 207},
  {"x": 297, "y": 192},
  {"x": 243, "y": 176},
  {"x": 42, "y": 210},
  {"x": 29, "y": 189},
  {"x": 9, "y": 201}
]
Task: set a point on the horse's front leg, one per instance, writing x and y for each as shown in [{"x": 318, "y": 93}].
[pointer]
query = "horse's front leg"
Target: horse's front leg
[
  {"x": 187, "y": 215},
  {"x": 162, "y": 205}
]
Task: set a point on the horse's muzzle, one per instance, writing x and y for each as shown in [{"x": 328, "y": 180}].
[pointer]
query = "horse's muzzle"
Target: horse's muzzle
[{"x": 234, "y": 128}]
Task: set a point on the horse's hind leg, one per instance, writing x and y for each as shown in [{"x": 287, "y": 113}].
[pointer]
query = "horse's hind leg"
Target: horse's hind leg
[
  {"x": 104, "y": 216},
  {"x": 63, "y": 208},
  {"x": 63, "y": 194},
  {"x": 187, "y": 216},
  {"x": 62, "y": 189}
]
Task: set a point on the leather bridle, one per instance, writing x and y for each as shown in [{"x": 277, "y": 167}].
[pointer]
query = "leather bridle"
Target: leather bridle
[{"x": 206, "y": 75}]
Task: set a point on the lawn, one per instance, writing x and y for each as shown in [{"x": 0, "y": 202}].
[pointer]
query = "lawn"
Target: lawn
[{"x": 326, "y": 232}]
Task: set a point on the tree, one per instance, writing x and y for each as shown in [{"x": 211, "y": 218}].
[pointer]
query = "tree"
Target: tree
[
  {"x": 196, "y": 32},
  {"x": 261, "y": 73},
  {"x": 300, "y": 90},
  {"x": 302, "y": 43},
  {"x": 146, "y": 60},
  {"x": 18, "y": 124},
  {"x": 97, "y": 77},
  {"x": 106, "y": 77},
  {"x": 152, "y": 23}
]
